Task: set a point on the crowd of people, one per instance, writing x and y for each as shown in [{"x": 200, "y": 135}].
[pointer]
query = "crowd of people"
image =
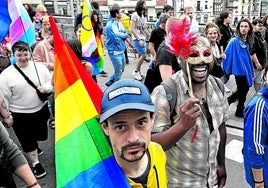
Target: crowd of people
[{"x": 166, "y": 131}]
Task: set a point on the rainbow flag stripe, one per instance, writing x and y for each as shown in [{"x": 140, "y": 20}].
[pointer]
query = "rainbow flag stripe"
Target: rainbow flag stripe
[
  {"x": 98, "y": 62},
  {"x": 5, "y": 20},
  {"x": 91, "y": 40},
  {"x": 21, "y": 27},
  {"x": 84, "y": 156},
  {"x": 87, "y": 38}
]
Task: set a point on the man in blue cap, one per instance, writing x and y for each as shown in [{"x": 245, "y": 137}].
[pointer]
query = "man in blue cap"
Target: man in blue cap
[{"x": 126, "y": 116}]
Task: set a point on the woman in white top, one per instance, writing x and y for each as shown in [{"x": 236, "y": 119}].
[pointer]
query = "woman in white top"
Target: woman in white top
[{"x": 30, "y": 114}]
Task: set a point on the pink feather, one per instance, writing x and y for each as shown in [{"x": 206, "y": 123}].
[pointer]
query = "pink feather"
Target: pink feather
[{"x": 179, "y": 39}]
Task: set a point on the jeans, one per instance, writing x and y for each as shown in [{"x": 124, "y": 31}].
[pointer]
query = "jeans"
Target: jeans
[{"x": 119, "y": 62}]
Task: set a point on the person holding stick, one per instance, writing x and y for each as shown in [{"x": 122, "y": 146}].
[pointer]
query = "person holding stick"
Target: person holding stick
[{"x": 193, "y": 137}]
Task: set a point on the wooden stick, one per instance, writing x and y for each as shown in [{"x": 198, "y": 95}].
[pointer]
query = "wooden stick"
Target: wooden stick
[{"x": 191, "y": 93}]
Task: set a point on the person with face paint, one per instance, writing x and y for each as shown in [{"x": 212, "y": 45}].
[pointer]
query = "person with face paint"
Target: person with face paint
[
  {"x": 256, "y": 136},
  {"x": 195, "y": 142},
  {"x": 238, "y": 62},
  {"x": 126, "y": 117}
]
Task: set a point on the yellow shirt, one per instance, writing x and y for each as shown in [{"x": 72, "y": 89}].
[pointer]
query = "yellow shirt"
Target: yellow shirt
[
  {"x": 125, "y": 20},
  {"x": 157, "y": 175}
]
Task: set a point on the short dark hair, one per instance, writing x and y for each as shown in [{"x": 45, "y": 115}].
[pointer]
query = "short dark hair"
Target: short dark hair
[
  {"x": 20, "y": 46},
  {"x": 164, "y": 18},
  {"x": 167, "y": 8},
  {"x": 158, "y": 14},
  {"x": 115, "y": 8},
  {"x": 95, "y": 5},
  {"x": 256, "y": 21}
]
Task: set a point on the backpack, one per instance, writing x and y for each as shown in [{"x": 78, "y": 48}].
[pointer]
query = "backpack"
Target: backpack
[{"x": 171, "y": 94}]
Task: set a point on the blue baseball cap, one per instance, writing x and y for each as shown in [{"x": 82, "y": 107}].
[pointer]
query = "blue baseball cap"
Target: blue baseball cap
[{"x": 125, "y": 94}]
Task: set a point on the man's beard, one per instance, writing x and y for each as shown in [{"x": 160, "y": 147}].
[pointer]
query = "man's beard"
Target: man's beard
[{"x": 135, "y": 158}]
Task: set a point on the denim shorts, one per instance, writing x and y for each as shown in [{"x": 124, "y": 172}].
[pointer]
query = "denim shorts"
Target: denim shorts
[{"x": 140, "y": 50}]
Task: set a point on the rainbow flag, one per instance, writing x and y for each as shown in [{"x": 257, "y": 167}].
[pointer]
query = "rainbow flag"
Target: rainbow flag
[
  {"x": 83, "y": 154},
  {"x": 97, "y": 57},
  {"x": 5, "y": 20},
  {"x": 91, "y": 41},
  {"x": 87, "y": 38},
  {"x": 21, "y": 27}
]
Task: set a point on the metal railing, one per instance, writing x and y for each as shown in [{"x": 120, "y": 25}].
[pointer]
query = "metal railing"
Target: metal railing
[{"x": 66, "y": 25}]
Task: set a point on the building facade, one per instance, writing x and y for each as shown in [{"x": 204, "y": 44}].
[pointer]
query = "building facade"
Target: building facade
[{"x": 205, "y": 10}]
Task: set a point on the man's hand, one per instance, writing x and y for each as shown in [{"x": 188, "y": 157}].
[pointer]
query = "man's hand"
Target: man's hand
[{"x": 189, "y": 112}]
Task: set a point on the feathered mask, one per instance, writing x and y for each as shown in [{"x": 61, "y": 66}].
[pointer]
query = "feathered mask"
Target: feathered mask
[{"x": 179, "y": 39}]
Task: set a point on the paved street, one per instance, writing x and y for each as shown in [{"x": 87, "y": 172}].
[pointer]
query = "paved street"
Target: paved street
[{"x": 234, "y": 161}]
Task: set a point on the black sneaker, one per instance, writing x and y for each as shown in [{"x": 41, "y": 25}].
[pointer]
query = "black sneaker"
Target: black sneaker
[
  {"x": 39, "y": 171},
  {"x": 39, "y": 151}
]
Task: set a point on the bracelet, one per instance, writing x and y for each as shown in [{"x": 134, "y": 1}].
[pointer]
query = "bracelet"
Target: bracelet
[
  {"x": 258, "y": 181},
  {"x": 34, "y": 184}
]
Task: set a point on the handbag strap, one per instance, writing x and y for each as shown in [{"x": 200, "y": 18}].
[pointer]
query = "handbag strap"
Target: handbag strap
[{"x": 25, "y": 77}]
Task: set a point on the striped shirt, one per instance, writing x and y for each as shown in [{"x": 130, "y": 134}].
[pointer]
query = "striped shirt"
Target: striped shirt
[{"x": 256, "y": 136}]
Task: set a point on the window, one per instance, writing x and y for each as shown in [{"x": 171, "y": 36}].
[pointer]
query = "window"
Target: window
[
  {"x": 198, "y": 8},
  {"x": 205, "y": 18},
  {"x": 198, "y": 18},
  {"x": 206, "y": 4}
]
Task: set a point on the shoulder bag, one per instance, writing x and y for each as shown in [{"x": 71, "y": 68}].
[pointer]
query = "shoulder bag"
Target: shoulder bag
[{"x": 42, "y": 96}]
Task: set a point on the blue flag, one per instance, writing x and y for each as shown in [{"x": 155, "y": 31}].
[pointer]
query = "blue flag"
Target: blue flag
[{"x": 5, "y": 19}]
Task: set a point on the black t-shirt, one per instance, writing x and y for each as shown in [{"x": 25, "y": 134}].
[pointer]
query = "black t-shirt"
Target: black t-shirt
[
  {"x": 157, "y": 37},
  {"x": 259, "y": 47},
  {"x": 227, "y": 33},
  {"x": 143, "y": 179},
  {"x": 164, "y": 57}
]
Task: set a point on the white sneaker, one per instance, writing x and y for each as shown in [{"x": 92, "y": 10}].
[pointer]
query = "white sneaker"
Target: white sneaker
[{"x": 137, "y": 75}]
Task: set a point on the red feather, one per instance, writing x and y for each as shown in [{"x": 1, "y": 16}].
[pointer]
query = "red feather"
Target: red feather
[
  {"x": 194, "y": 133},
  {"x": 179, "y": 39}
]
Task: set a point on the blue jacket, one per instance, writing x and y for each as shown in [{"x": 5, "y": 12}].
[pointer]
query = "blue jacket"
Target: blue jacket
[
  {"x": 115, "y": 37},
  {"x": 256, "y": 135},
  {"x": 238, "y": 61}
]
